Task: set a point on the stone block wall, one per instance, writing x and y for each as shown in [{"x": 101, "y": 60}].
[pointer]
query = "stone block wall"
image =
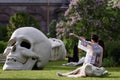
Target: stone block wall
[{"x": 43, "y": 10}]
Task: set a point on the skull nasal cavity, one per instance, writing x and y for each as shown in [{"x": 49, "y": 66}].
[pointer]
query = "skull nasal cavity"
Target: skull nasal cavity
[{"x": 25, "y": 44}]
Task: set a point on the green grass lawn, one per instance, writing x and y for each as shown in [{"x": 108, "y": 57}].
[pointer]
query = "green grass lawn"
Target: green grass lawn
[{"x": 49, "y": 73}]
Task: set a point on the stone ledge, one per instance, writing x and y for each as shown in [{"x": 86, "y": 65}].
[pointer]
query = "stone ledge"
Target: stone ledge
[{"x": 30, "y": 1}]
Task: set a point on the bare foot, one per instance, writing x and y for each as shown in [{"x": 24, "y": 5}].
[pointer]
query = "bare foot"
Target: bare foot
[{"x": 59, "y": 74}]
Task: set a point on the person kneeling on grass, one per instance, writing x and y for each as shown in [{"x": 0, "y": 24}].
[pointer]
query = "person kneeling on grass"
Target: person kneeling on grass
[{"x": 93, "y": 59}]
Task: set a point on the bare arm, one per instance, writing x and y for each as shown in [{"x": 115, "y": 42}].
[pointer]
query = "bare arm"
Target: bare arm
[{"x": 80, "y": 38}]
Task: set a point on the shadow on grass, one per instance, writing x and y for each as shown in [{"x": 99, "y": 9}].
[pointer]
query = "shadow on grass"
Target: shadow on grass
[{"x": 24, "y": 79}]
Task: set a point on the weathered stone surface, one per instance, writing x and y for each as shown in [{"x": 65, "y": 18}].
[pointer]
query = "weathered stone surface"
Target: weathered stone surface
[
  {"x": 43, "y": 10},
  {"x": 30, "y": 1}
]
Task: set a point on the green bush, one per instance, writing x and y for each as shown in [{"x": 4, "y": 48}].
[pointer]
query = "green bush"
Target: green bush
[
  {"x": 108, "y": 62},
  {"x": 21, "y": 19},
  {"x": 52, "y": 29},
  {"x": 3, "y": 32},
  {"x": 113, "y": 52},
  {"x": 69, "y": 44},
  {"x": 2, "y": 46}
]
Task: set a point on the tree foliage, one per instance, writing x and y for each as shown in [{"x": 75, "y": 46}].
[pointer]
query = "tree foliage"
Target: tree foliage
[
  {"x": 85, "y": 17},
  {"x": 99, "y": 16},
  {"x": 52, "y": 29},
  {"x": 21, "y": 19},
  {"x": 102, "y": 17},
  {"x": 3, "y": 32}
]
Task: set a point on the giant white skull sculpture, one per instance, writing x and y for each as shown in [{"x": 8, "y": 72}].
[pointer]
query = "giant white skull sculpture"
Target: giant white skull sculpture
[
  {"x": 28, "y": 48},
  {"x": 58, "y": 49}
]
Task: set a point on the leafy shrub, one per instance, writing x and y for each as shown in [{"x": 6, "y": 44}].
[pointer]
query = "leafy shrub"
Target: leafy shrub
[
  {"x": 2, "y": 46},
  {"x": 21, "y": 19},
  {"x": 113, "y": 52},
  {"x": 108, "y": 62},
  {"x": 52, "y": 29},
  {"x": 69, "y": 44},
  {"x": 3, "y": 32}
]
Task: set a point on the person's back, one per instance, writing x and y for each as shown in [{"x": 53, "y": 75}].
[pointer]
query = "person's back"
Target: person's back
[
  {"x": 95, "y": 52},
  {"x": 98, "y": 51}
]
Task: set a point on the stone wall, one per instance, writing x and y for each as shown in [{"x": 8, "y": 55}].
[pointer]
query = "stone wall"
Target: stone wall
[{"x": 43, "y": 10}]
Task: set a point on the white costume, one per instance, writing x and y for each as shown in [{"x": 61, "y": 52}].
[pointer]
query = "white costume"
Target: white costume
[{"x": 88, "y": 68}]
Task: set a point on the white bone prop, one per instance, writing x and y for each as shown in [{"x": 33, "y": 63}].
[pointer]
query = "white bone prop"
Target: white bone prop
[
  {"x": 58, "y": 49},
  {"x": 26, "y": 48}
]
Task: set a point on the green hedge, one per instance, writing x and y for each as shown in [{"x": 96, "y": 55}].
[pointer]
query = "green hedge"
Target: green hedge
[
  {"x": 2, "y": 46},
  {"x": 21, "y": 19},
  {"x": 113, "y": 53},
  {"x": 3, "y": 32}
]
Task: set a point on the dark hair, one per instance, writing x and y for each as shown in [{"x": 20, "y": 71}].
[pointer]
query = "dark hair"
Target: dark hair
[
  {"x": 101, "y": 43},
  {"x": 94, "y": 37}
]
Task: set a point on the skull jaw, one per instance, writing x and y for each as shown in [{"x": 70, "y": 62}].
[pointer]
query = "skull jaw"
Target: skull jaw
[{"x": 10, "y": 65}]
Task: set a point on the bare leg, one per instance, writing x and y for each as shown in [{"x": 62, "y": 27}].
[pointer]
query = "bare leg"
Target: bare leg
[
  {"x": 74, "y": 72},
  {"x": 75, "y": 76},
  {"x": 80, "y": 72}
]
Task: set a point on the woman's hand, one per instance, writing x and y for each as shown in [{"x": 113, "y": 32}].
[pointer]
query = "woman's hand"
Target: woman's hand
[
  {"x": 79, "y": 37},
  {"x": 71, "y": 34}
]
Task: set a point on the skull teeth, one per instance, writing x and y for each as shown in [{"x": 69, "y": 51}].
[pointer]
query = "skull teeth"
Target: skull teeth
[
  {"x": 11, "y": 59},
  {"x": 14, "y": 59}
]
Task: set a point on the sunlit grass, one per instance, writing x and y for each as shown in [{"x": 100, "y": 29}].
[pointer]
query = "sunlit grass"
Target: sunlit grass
[{"x": 49, "y": 73}]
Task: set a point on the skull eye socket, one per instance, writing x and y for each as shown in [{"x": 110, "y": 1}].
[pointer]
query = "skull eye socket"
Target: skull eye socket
[{"x": 25, "y": 44}]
